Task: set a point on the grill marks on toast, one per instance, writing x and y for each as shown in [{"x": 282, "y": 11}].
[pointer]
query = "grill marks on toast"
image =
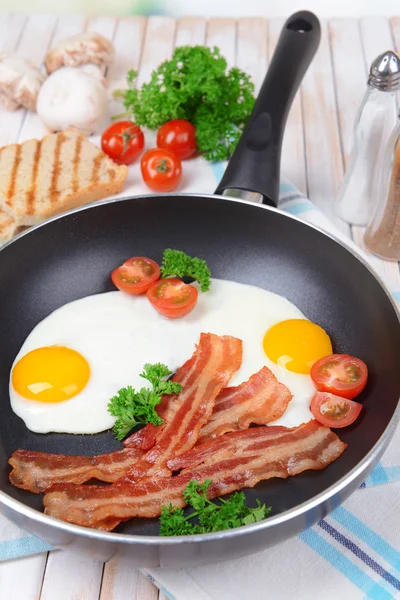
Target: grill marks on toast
[
  {"x": 14, "y": 173},
  {"x": 53, "y": 191},
  {"x": 96, "y": 167},
  {"x": 39, "y": 179},
  {"x": 76, "y": 160},
  {"x": 31, "y": 194}
]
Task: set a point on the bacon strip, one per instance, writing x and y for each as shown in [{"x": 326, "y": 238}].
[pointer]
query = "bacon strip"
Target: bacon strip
[
  {"x": 245, "y": 460},
  {"x": 37, "y": 471},
  {"x": 146, "y": 437},
  {"x": 217, "y": 358},
  {"x": 259, "y": 400}
]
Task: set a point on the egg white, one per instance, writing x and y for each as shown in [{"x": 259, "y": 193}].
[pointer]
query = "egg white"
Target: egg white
[{"x": 118, "y": 333}]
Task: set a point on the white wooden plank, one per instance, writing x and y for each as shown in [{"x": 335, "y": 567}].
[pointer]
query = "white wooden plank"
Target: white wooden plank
[
  {"x": 395, "y": 26},
  {"x": 350, "y": 76},
  {"x": 11, "y": 27},
  {"x": 104, "y": 25},
  {"x": 158, "y": 45},
  {"x": 121, "y": 581},
  {"x": 376, "y": 36},
  {"x": 22, "y": 578},
  {"x": 128, "y": 42},
  {"x": 70, "y": 576},
  {"x": 33, "y": 43},
  {"x": 191, "y": 31},
  {"x": 66, "y": 26},
  {"x": 293, "y": 162},
  {"x": 222, "y": 33},
  {"x": 252, "y": 48},
  {"x": 322, "y": 140},
  {"x": 36, "y": 37}
]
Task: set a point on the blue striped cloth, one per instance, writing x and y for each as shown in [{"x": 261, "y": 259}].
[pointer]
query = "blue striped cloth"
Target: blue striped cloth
[{"x": 353, "y": 553}]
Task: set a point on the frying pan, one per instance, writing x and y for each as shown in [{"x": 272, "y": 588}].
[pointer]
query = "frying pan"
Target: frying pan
[{"x": 72, "y": 256}]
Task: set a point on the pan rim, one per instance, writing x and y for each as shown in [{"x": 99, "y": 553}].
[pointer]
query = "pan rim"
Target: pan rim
[{"x": 275, "y": 520}]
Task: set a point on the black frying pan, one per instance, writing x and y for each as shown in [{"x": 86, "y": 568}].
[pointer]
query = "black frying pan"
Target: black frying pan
[{"x": 72, "y": 256}]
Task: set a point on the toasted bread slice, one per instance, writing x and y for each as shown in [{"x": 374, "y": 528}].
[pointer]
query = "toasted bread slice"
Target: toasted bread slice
[
  {"x": 8, "y": 227},
  {"x": 40, "y": 179}
]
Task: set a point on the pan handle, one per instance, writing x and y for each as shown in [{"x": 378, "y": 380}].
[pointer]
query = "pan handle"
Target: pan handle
[{"x": 253, "y": 171}]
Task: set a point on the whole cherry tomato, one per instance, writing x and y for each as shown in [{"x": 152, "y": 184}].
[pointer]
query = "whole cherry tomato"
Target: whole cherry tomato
[
  {"x": 123, "y": 141},
  {"x": 179, "y": 136},
  {"x": 161, "y": 170}
]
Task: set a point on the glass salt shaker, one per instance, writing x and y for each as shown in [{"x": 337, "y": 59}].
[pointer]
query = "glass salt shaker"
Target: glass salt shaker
[
  {"x": 382, "y": 236},
  {"x": 376, "y": 120}
]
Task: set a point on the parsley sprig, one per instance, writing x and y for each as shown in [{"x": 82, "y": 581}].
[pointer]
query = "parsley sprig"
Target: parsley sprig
[
  {"x": 176, "y": 263},
  {"x": 228, "y": 514},
  {"x": 195, "y": 85},
  {"x": 139, "y": 408}
]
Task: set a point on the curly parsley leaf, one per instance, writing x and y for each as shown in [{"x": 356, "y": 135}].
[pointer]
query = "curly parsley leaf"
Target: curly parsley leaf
[
  {"x": 197, "y": 86},
  {"x": 176, "y": 263},
  {"x": 227, "y": 514},
  {"x": 133, "y": 407}
]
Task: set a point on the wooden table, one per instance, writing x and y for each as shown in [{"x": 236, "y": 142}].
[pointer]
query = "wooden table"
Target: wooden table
[{"x": 316, "y": 151}]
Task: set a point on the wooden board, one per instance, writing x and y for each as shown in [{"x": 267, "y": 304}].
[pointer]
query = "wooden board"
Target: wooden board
[{"x": 316, "y": 150}]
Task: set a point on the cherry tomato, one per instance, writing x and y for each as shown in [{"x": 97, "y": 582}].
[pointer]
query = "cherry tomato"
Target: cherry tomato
[
  {"x": 123, "y": 141},
  {"x": 136, "y": 275},
  {"x": 179, "y": 136},
  {"x": 334, "y": 411},
  {"x": 340, "y": 374},
  {"x": 172, "y": 298},
  {"x": 161, "y": 170}
]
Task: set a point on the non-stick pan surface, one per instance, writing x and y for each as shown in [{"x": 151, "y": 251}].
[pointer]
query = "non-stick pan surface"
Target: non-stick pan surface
[{"x": 72, "y": 256}]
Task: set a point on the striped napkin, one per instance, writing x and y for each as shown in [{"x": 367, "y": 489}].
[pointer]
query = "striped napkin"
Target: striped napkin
[{"x": 354, "y": 553}]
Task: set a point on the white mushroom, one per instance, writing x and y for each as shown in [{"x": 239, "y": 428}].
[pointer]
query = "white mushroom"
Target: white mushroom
[
  {"x": 80, "y": 49},
  {"x": 20, "y": 82},
  {"x": 72, "y": 98}
]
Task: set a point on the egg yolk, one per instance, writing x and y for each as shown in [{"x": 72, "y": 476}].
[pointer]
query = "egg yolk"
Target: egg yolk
[
  {"x": 50, "y": 374},
  {"x": 296, "y": 344}
]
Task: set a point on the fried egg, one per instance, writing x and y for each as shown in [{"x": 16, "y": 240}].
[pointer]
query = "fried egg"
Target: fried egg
[{"x": 78, "y": 357}]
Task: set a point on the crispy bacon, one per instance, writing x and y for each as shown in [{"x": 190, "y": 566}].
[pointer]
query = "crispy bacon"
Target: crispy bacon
[
  {"x": 248, "y": 457},
  {"x": 146, "y": 437},
  {"x": 217, "y": 358},
  {"x": 37, "y": 471},
  {"x": 259, "y": 400}
]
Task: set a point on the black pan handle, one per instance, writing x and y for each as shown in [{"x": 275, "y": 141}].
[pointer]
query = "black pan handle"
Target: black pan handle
[{"x": 255, "y": 164}]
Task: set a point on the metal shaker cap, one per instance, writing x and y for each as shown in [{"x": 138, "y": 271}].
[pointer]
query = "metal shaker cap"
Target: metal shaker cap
[{"x": 384, "y": 73}]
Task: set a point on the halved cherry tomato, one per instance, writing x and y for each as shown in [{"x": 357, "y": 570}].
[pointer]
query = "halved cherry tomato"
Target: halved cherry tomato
[
  {"x": 340, "y": 374},
  {"x": 334, "y": 411},
  {"x": 172, "y": 298},
  {"x": 179, "y": 136},
  {"x": 136, "y": 275},
  {"x": 123, "y": 141},
  {"x": 161, "y": 170}
]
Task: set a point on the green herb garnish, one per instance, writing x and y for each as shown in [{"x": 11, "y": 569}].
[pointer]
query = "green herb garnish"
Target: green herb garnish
[
  {"x": 228, "y": 514},
  {"x": 139, "y": 408},
  {"x": 195, "y": 85},
  {"x": 176, "y": 263}
]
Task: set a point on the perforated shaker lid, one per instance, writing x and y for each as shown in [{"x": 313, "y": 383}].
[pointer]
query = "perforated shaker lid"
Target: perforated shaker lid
[{"x": 384, "y": 73}]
